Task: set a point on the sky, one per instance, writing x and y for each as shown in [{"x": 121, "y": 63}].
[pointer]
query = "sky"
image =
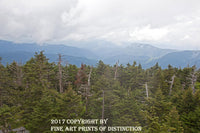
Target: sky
[{"x": 171, "y": 24}]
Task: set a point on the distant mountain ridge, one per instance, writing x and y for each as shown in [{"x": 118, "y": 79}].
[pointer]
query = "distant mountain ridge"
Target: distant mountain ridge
[
  {"x": 91, "y": 52},
  {"x": 7, "y": 46},
  {"x": 22, "y": 52},
  {"x": 179, "y": 59}
]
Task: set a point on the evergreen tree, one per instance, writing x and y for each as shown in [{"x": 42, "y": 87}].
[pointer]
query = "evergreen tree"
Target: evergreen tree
[
  {"x": 173, "y": 121},
  {"x": 159, "y": 100}
]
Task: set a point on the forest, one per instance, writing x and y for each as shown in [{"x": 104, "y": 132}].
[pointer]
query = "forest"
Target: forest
[{"x": 159, "y": 100}]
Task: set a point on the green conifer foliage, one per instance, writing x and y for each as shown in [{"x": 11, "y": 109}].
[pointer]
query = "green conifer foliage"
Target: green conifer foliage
[{"x": 130, "y": 96}]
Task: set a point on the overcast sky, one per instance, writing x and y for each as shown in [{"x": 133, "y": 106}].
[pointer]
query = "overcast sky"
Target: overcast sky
[{"x": 163, "y": 23}]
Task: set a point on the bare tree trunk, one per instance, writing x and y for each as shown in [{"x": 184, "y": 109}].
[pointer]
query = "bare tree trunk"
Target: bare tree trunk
[
  {"x": 171, "y": 85},
  {"x": 194, "y": 79},
  {"x": 19, "y": 74},
  {"x": 128, "y": 93},
  {"x": 41, "y": 75},
  {"x": 60, "y": 74},
  {"x": 86, "y": 99},
  {"x": 103, "y": 107},
  {"x": 1, "y": 95},
  {"x": 89, "y": 76},
  {"x": 115, "y": 77},
  {"x": 88, "y": 89},
  {"x": 147, "y": 92}
]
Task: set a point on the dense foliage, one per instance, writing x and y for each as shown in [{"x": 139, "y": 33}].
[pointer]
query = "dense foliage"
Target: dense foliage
[{"x": 157, "y": 100}]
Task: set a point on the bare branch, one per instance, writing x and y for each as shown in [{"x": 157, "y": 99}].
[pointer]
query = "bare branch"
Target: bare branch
[
  {"x": 147, "y": 92},
  {"x": 171, "y": 84},
  {"x": 116, "y": 70},
  {"x": 60, "y": 73}
]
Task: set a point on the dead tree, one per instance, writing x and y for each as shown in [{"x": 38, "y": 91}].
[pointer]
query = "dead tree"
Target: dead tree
[
  {"x": 115, "y": 77},
  {"x": 193, "y": 80},
  {"x": 171, "y": 84},
  {"x": 147, "y": 92},
  {"x": 103, "y": 102},
  {"x": 146, "y": 89},
  {"x": 19, "y": 74},
  {"x": 84, "y": 89},
  {"x": 89, "y": 76},
  {"x": 60, "y": 73},
  {"x": 88, "y": 89}
]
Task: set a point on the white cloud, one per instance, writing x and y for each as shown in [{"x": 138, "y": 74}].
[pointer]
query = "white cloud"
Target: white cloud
[
  {"x": 148, "y": 34},
  {"x": 164, "y": 23}
]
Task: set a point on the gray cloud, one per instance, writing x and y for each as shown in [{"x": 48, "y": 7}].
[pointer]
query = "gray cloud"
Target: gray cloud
[{"x": 164, "y": 23}]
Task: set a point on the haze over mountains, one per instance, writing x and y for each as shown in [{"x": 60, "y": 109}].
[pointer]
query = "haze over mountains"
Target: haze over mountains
[{"x": 91, "y": 52}]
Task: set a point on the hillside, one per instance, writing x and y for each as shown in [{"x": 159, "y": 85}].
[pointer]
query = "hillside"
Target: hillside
[
  {"x": 22, "y": 52},
  {"x": 91, "y": 52},
  {"x": 178, "y": 59}
]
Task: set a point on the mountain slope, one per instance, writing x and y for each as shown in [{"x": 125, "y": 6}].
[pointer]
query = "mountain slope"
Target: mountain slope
[
  {"x": 178, "y": 59},
  {"x": 7, "y": 47},
  {"x": 22, "y": 52},
  {"x": 90, "y": 52},
  {"x": 22, "y": 57}
]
